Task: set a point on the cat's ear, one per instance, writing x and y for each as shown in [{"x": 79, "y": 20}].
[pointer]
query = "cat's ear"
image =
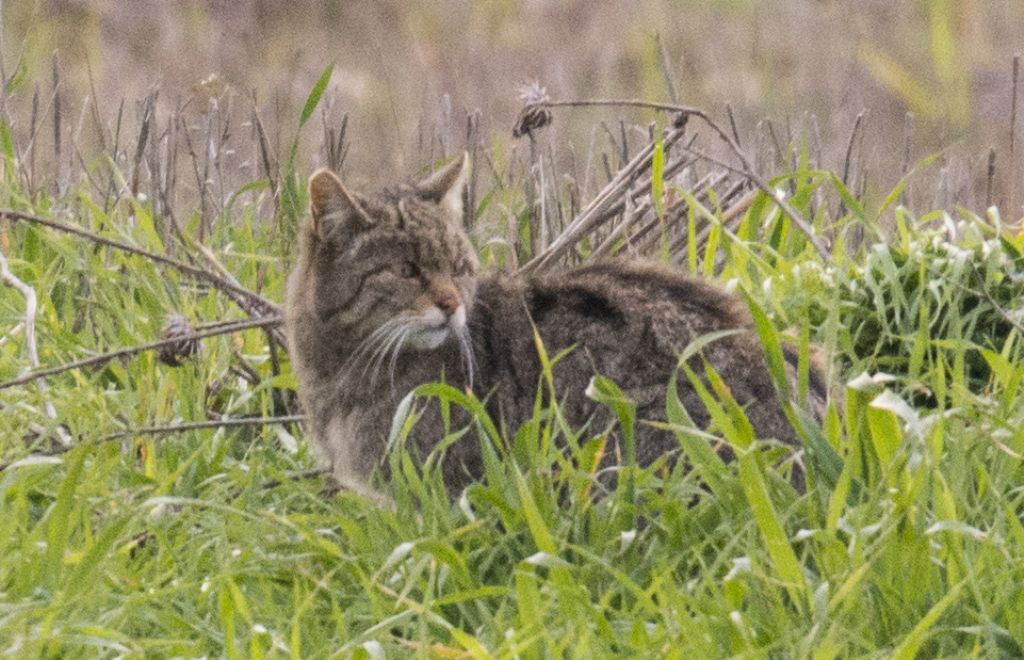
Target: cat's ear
[
  {"x": 331, "y": 204},
  {"x": 447, "y": 186}
]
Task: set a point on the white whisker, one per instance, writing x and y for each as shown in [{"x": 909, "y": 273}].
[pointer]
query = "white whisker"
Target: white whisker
[
  {"x": 466, "y": 351},
  {"x": 393, "y": 342},
  {"x": 394, "y": 359},
  {"x": 367, "y": 348}
]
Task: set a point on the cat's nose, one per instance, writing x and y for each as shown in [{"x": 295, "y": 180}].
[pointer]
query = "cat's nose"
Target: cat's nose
[{"x": 449, "y": 303}]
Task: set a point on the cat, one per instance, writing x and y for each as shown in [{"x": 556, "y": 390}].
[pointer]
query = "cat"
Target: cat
[{"x": 386, "y": 295}]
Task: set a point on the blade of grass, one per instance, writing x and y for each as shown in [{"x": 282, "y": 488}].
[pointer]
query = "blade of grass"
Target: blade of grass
[
  {"x": 767, "y": 519},
  {"x": 911, "y": 644},
  {"x": 59, "y": 525}
]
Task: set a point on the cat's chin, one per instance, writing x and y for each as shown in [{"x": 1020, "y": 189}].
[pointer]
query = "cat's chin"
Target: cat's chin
[
  {"x": 436, "y": 329},
  {"x": 429, "y": 338}
]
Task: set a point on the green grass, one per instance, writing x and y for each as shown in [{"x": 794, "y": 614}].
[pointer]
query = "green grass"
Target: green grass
[{"x": 908, "y": 543}]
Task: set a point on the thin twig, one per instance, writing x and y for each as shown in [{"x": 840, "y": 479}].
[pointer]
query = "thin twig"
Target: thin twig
[
  {"x": 186, "y": 426},
  {"x": 268, "y": 169},
  {"x": 261, "y": 303},
  {"x": 652, "y": 105},
  {"x": 208, "y": 424},
  {"x": 201, "y": 184},
  {"x": 219, "y": 329}
]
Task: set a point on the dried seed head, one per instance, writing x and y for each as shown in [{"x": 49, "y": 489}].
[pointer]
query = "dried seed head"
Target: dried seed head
[
  {"x": 530, "y": 119},
  {"x": 535, "y": 114},
  {"x": 173, "y": 354}
]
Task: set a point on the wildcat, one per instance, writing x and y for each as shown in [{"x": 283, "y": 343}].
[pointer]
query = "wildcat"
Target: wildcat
[{"x": 386, "y": 295}]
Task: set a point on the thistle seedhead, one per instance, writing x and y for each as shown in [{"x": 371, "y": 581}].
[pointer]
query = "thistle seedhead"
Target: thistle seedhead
[
  {"x": 174, "y": 354},
  {"x": 534, "y": 114}
]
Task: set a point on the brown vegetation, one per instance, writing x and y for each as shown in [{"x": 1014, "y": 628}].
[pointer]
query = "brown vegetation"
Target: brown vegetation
[{"x": 408, "y": 75}]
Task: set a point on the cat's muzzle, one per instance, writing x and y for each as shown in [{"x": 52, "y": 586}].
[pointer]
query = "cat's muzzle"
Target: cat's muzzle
[{"x": 435, "y": 326}]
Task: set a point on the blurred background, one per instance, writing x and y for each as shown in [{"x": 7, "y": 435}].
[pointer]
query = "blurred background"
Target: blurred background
[{"x": 928, "y": 77}]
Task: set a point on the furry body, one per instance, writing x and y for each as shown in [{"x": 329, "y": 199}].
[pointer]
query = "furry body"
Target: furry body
[{"x": 385, "y": 296}]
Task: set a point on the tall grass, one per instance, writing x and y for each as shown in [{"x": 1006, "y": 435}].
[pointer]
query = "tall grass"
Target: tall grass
[{"x": 219, "y": 542}]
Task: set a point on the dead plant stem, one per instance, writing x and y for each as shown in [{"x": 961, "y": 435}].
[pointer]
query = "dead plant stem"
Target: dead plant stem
[
  {"x": 218, "y": 329},
  {"x": 745, "y": 170},
  {"x": 207, "y": 424},
  {"x": 192, "y": 426},
  {"x": 261, "y": 304}
]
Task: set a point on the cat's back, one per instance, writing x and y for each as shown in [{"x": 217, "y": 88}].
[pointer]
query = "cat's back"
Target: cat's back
[
  {"x": 626, "y": 293},
  {"x": 624, "y": 304}
]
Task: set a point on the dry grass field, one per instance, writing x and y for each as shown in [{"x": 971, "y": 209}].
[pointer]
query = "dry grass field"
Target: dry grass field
[{"x": 928, "y": 75}]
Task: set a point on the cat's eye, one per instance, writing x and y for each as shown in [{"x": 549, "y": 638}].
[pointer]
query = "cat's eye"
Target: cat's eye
[{"x": 408, "y": 269}]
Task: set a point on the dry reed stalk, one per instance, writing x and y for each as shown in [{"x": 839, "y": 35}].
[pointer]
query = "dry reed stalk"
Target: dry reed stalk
[
  {"x": 57, "y": 112},
  {"x": 224, "y": 274},
  {"x": 645, "y": 238},
  {"x": 147, "y": 109},
  {"x": 990, "y": 177},
  {"x": 113, "y": 184},
  {"x": 732, "y": 216},
  {"x": 908, "y": 141},
  {"x": 732, "y": 125},
  {"x": 472, "y": 147},
  {"x": 779, "y": 201},
  {"x": 848, "y": 160},
  {"x": 596, "y": 211},
  {"x": 682, "y": 114},
  {"x": 666, "y": 69},
  {"x": 201, "y": 185},
  {"x": 334, "y": 144},
  {"x": 1013, "y": 135},
  {"x": 264, "y": 154}
]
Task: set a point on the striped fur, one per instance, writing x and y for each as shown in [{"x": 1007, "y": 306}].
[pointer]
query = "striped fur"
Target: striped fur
[{"x": 386, "y": 295}]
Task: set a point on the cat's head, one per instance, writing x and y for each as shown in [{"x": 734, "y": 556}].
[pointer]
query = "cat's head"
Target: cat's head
[{"x": 399, "y": 264}]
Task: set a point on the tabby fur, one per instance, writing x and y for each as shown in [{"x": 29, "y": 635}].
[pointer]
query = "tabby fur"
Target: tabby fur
[{"x": 386, "y": 295}]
